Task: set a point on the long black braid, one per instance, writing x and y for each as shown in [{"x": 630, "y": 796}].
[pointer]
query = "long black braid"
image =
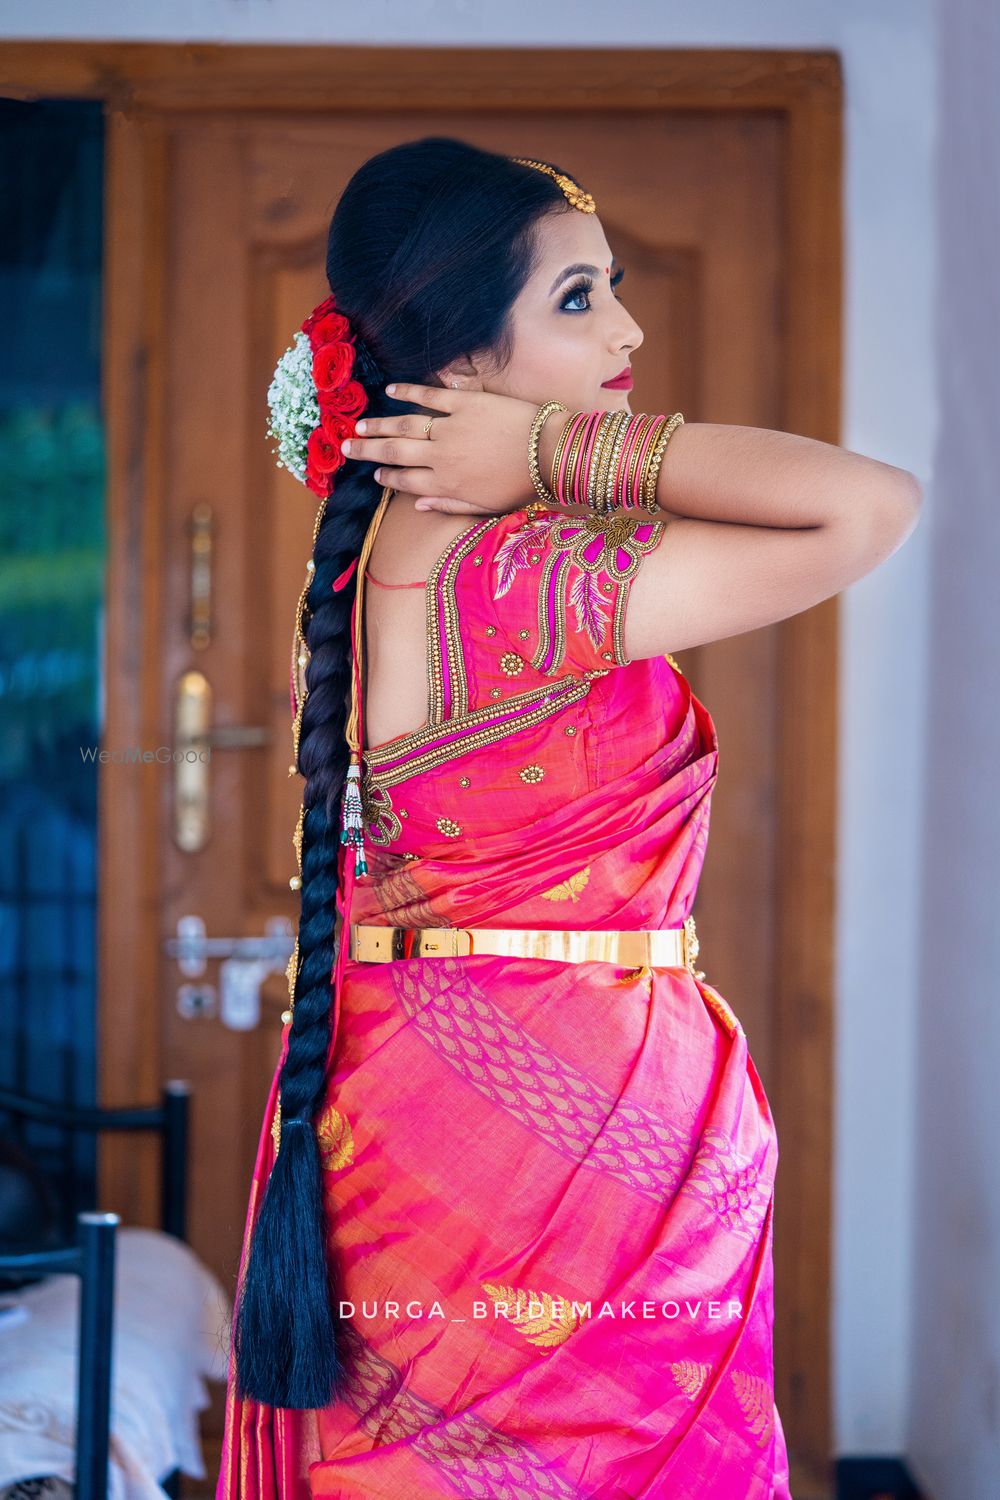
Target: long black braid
[
  {"x": 428, "y": 248},
  {"x": 292, "y": 1364}
]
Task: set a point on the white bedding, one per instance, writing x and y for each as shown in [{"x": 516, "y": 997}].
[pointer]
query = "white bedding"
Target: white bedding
[{"x": 171, "y": 1333}]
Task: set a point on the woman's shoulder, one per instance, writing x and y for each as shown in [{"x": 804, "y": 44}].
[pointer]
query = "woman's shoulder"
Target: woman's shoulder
[{"x": 409, "y": 542}]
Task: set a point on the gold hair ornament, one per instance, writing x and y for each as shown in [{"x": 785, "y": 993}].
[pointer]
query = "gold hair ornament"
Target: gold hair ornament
[{"x": 573, "y": 191}]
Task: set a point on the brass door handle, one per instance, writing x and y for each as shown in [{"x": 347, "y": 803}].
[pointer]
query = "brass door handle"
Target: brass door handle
[
  {"x": 192, "y": 757},
  {"x": 195, "y": 737}
]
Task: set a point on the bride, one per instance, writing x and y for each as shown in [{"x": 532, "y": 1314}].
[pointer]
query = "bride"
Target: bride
[{"x": 510, "y": 1224}]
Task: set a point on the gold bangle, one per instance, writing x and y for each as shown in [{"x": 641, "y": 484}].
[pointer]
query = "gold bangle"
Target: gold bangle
[
  {"x": 614, "y": 499},
  {"x": 598, "y": 460},
  {"x": 538, "y": 422},
  {"x": 655, "y": 460},
  {"x": 657, "y": 428},
  {"x": 597, "y": 451},
  {"x": 643, "y": 431},
  {"x": 603, "y": 480}
]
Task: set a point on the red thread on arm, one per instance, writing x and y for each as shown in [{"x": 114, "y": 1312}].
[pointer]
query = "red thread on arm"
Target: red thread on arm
[{"x": 372, "y": 579}]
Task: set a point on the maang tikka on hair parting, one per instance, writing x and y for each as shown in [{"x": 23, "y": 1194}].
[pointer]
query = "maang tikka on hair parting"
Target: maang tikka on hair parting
[{"x": 572, "y": 191}]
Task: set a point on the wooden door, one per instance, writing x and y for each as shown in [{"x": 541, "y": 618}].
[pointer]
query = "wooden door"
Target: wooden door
[{"x": 716, "y": 177}]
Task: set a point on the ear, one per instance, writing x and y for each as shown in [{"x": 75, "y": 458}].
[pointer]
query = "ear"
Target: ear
[{"x": 461, "y": 374}]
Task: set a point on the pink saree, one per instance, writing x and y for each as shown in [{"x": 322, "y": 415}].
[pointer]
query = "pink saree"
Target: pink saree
[{"x": 550, "y": 1184}]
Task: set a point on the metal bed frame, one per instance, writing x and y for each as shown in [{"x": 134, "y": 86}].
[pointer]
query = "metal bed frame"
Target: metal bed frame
[{"x": 92, "y": 1258}]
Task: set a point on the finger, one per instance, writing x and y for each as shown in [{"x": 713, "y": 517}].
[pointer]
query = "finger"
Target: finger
[
  {"x": 451, "y": 507},
  {"x": 410, "y": 424},
  {"x": 418, "y": 482},
  {"x": 437, "y": 397},
  {"x": 409, "y": 481},
  {"x": 390, "y": 450}
]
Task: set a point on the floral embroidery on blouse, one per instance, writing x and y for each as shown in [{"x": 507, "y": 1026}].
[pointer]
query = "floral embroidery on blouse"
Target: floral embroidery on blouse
[{"x": 589, "y": 562}]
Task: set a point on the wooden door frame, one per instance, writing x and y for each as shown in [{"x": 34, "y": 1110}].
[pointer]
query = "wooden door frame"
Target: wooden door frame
[{"x": 142, "y": 85}]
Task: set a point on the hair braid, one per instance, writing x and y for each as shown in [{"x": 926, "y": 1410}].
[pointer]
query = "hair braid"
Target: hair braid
[{"x": 293, "y": 1359}]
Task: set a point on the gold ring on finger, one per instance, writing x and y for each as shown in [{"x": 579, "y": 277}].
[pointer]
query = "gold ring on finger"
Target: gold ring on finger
[{"x": 427, "y": 428}]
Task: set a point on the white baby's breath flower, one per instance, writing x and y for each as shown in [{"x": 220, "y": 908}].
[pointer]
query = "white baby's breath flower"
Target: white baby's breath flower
[{"x": 294, "y": 406}]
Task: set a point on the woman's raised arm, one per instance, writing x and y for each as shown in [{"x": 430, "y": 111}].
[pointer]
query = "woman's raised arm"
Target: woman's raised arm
[
  {"x": 759, "y": 524},
  {"x": 756, "y": 477}
]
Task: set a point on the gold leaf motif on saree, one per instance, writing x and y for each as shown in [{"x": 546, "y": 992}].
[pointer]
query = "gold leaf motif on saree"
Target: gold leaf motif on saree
[
  {"x": 553, "y": 1326},
  {"x": 335, "y": 1138},
  {"x": 756, "y": 1398},
  {"x": 568, "y": 890},
  {"x": 690, "y": 1375}
]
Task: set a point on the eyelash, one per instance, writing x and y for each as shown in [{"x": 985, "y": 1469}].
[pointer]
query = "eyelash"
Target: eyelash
[{"x": 586, "y": 284}]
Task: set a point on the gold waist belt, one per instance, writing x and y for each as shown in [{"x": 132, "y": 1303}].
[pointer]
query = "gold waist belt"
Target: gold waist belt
[{"x": 671, "y": 947}]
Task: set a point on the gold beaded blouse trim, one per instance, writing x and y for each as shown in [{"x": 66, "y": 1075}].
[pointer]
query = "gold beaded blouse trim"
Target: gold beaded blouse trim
[{"x": 433, "y": 745}]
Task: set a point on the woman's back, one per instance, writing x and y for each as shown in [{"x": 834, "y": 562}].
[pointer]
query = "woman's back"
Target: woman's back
[{"x": 406, "y": 546}]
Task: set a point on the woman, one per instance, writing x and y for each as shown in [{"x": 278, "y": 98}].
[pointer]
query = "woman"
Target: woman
[{"x": 509, "y": 1231}]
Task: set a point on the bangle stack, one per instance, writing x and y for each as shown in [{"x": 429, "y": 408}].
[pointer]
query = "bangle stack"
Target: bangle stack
[{"x": 607, "y": 460}]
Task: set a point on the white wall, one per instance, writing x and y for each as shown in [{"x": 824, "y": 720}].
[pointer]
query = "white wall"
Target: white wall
[
  {"x": 889, "y": 413},
  {"x": 955, "y": 1420}
]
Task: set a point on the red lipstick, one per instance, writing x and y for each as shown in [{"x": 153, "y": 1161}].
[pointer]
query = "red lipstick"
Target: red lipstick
[{"x": 622, "y": 382}]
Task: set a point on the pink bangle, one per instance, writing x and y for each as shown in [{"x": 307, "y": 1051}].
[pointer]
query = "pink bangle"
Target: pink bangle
[
  {"x": 581, "y": 438},
  {"x": 559, "y": 479},
  {"x": 582, "y": 477}
]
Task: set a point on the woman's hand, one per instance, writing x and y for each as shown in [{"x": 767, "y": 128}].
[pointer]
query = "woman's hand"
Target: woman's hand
[{"x": 474, "y": 459}]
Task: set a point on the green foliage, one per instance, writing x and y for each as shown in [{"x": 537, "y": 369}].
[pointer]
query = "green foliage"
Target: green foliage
[
  {"x": 51, "y": 481},
  {"x": 52, "y": 562}
]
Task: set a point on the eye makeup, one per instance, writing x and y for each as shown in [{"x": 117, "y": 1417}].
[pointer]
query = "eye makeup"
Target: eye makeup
[{"x": 585, "y": 285}]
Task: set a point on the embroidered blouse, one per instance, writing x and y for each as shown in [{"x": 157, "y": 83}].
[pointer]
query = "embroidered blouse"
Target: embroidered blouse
[{"x": 525, "y": 626}]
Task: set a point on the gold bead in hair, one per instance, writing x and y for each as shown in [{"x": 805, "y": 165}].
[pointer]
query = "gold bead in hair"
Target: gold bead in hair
[{"x": 573, "y": 191}]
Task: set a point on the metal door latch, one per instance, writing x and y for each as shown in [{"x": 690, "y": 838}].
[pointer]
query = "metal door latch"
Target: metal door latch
[{"x": 246, "y": 963}]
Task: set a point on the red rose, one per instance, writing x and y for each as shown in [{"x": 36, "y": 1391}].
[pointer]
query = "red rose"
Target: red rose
[
  {"x": 336, "y": 426},
  {"x": 320, "y": 484},
  {"x": 323, "y": 453},
  {"x": 349, "y": 401},
  {"x": 333, "y": 326},
  {"x": 332, "y": 365},
  {"x": 327, "y": 306}
]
